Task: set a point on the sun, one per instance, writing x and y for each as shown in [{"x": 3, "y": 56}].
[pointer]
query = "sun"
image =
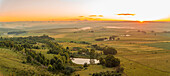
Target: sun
[{"x": 141, "y": 21}]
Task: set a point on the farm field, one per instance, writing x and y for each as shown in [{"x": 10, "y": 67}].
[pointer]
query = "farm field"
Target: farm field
[
  {"x": 143, "y": 51},
  {"x": 84, "y": 38},
  {"x": 138, "y": 52},
  {"x": 93, "y": 69}
]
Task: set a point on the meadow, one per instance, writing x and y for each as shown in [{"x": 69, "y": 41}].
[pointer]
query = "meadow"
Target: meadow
[
  {"x": 143, "y": 52},
  {"x": 12, "y": 64}
]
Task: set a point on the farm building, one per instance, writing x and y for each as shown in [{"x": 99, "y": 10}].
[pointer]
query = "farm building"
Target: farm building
[
  {"x": 106, "y": 39},
  {"x": 112, "y": 37},
  {"x": 101, "y": 39}
]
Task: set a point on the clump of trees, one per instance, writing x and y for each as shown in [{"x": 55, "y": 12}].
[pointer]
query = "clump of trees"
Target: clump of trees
[
  {"x": 80, "y": 42},
  {"x": 56, "y": 64},
  {"x": 36, "y": 58},
  {"x": 92, "y": 54},
  {"x": 97, "y": 47},
  {"x": 110, "y": 50},
  {"x": 107, "y": 73},
  {"x": 87, "y": 53},
  {"x": 55, "y": 48},
  {"x": 106, "y": 50},
  {"x": 18, "y": 43},
  {"x": 17, "y": 32},
  {"x": 26, "y": 44},
  {"x": 109, "y": 61}
]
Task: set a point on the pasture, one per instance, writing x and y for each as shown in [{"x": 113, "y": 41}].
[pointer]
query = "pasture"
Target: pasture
[
  {"x": 142, "y": 53},
  {"x": 11, "y": 63}
]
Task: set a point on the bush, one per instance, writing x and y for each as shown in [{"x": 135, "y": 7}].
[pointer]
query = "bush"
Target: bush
[
  {"x": 120, "y": 70},
  {"x": 50, "y": 68},
  {"x": 110, "y": 50},
  {"x": 111, "y": 61},
  {"x": 107, "y": 73},
  {"x": 102, "y": 61},
  {"x": 23, "y": 62},
  {"x": 29, "y": 59},
  {"x": 85, "y": 65},
  {"x": 69, "y": 70}
]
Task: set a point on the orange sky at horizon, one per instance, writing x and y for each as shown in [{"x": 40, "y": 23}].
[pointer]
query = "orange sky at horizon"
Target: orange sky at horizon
[{"x": 73, "y": 10}]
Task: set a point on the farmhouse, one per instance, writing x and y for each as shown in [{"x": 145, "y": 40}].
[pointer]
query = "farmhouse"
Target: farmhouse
[
  {"x": 112, "y": 37},
  {"x": 101, "y": 39}
]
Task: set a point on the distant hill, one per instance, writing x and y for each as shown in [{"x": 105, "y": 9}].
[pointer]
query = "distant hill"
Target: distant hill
[{"x": 7, "y": 29}]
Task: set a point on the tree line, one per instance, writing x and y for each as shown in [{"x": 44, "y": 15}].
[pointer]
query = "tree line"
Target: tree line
[
  {"x": 106, "y": 50},
  {"x": 26, "y": 46}
]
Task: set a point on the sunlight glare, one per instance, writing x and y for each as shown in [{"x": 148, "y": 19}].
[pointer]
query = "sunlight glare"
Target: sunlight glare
[{"x": 141, "y": 21}]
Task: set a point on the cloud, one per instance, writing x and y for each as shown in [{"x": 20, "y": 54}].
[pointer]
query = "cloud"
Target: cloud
[
  {"x": 126, "y": 14},
  {"x": 81, "y": 16},
  {"x": 95, "y": 15},
  {"x": 100, "y": 15}
]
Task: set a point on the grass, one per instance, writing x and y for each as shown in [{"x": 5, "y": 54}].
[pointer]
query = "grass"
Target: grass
[
  {"x": 71, "y": 45},
  {"x": 163, "y": 45},
  {"x": 44, "y": 52},
  {"x": 158, "y": 61},
  {"x": 11, "y": 64},
  {"x": 140, "y": 54},
  {"x": 93, "y": 69},
  {"x": 133, "y": 68},
  {"x": 137, "y": 58}
]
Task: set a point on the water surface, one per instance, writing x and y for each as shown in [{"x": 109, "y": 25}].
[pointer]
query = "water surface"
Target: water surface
[{"x": 83, "y": 60}]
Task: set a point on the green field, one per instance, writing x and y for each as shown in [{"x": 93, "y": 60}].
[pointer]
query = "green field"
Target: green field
[
  {"x": 140, "y": 54},
  {"x": 93, "y": 69},
  {"x": 163, "y": 45},
  {"x": 11, "y": 64}
]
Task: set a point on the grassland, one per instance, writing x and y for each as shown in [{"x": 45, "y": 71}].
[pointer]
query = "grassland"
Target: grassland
[
  {"x": 93, "y": 69},
  {"x": 134, "y": 68},
  {"x": 141, "y": 54},
  {"x": 163, "y": 45},
  {"x": 11, "y": 64}
]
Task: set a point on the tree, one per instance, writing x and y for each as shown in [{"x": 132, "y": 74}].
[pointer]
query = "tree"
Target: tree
[
  {"x": 92, "y": 54},
  {"x": 52, "y": 61},
  {"x": 110, "y": 50},
  {"x": 120, "y": 69},
  {"x": 111, "y": 61},
  {"x": 68, "y": 70},
  {"x": 18, "y": 47},
  {"x": 54, "y": 67},
  {"x": 50, "y": 67},
  {"x": 85, "y": 65},
  {"x": 58, "y": 66},
  {"x": 67, "y": 57},
  {"x": 67, "y": 48},
  {"x": 29, "y": 59},
  {"x": 102, "y": 61}
]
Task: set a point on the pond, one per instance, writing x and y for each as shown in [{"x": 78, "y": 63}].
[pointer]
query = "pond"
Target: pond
[{"x": 83, "y": 60}]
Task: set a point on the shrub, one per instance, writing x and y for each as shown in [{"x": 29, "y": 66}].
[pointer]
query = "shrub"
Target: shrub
[
  {"x": 111, "y": 61},
  {"x": 85, "y": 65},
  {"x": 120, "y": 70},
  {"x": 50, "y": 68},
  {"x": 29, "y": 59},
  {"x": 68, "y": 70},
  {"x": 102, "y": 61},
  {"x": 110, "y": 50}
]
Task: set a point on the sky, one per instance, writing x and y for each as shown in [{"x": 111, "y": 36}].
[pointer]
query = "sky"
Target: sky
[{"x": 44, "y": 10}]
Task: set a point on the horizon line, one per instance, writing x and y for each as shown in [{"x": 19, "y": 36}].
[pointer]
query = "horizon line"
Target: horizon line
[{"x": 85, "y": 21}]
